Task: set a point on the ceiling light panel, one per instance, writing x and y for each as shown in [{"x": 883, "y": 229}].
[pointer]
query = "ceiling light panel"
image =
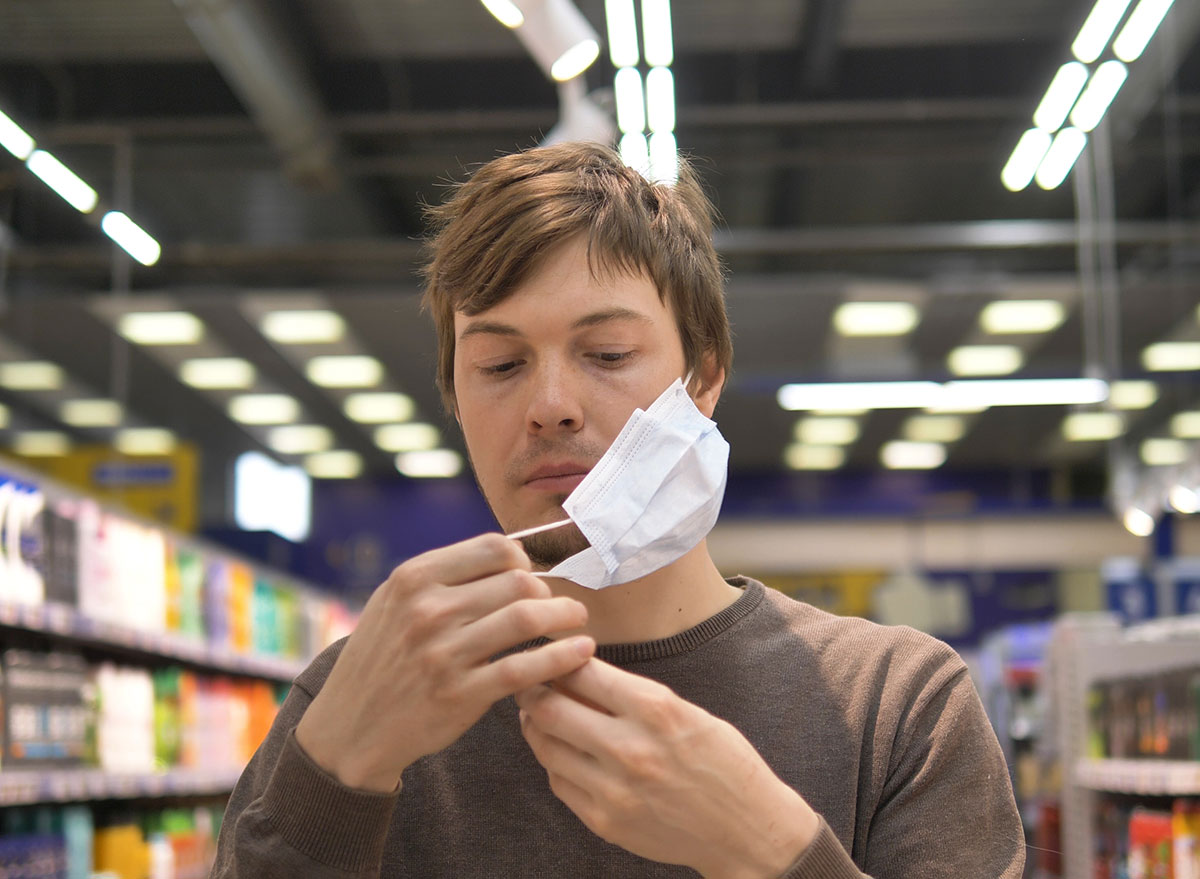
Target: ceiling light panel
[
  {"x": 378, "y": 408},
  {"x": 300, "y": 439},
  {"x": 799, "y": 456},
  {"x": 31, "y": 375},
  {"x": 1186, "y": 425},
  {"x": 161, "y": 328},
  {"x": 934, "y": 428},
  {"x": 1172, "y": 357},
  {"x": 264, "y": 409},
  {"x": 92, "y": 413},
  {"x": 431, "y": 464},
  {"x": 1081, "y": 427},
  {"x": 41, "y": 443},
  {"x": 314, "y": 326},
  {"x": 144, "y": 441},
  {"x": 334, "y": 464},
  {"x": 413, "y": 437},
  {"x": 1160, "y": 452},
  {"x": 1133, "y": 394},
  {"x": 826, "y": 431},
  {"x": 344, "y": 371},
  {"x": 1015, "y": 316},
  {"x": 876, "y": 318},
  {"x": 904, "y": 455},
  {"x": 981, "y": 360},
  {"x": 218, "y": 373}
]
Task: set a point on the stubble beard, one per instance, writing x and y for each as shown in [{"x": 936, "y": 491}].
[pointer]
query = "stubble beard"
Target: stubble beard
[{"x": 551, "y": 548}]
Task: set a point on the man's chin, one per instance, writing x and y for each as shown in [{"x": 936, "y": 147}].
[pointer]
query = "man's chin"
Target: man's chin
[{"x": 551, "y": 548}]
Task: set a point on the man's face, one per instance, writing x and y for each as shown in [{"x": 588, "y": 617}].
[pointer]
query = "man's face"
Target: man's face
[{"x": 545, "y": 381}]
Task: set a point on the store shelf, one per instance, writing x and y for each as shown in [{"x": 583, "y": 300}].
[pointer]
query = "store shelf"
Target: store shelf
[
  {"x": 67, "y": 623},
  {"x": 23, "y": 787},
  {"x": 1145, "y": 776}
]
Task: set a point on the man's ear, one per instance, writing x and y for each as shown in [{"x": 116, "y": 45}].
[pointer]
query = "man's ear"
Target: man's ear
[{"x": 712, "y": 382}]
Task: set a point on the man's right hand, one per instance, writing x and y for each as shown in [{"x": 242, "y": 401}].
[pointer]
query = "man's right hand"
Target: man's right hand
[{"x": 416, "y": 673}]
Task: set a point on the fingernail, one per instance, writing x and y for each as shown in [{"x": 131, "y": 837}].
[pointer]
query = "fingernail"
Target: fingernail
[{"x": 584, "y": 646}]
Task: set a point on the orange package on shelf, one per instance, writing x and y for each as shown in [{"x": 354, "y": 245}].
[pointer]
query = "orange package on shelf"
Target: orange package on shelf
[{"x": 241, "y": 595}]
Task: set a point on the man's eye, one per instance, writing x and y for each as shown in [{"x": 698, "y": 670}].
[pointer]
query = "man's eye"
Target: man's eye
[
  {"x": 612, "y": 357},
  {"x": 500, "y": 368}
]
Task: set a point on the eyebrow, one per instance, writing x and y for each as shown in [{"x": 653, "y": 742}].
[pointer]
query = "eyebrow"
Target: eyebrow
[{"x": 596, "y": 318}]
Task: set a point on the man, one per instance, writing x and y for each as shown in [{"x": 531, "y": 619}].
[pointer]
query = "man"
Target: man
[{"x": 483, "y": 721}]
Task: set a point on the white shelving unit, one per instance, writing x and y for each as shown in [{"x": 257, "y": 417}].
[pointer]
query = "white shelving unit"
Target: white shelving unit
[{"x": 1086, "y": 649}]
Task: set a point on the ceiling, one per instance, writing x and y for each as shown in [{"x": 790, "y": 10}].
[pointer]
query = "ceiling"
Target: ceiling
[{"x": 853, "y": 148}]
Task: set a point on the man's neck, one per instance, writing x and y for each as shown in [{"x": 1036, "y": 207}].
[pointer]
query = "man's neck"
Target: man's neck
[{"x": 659, "y": 605}]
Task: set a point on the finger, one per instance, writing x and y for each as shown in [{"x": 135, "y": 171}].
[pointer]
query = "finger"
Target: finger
[
  {"x": 561, "y": 758},
  {"x": 518, "y": 622},
  {"x": 473, "y": 601},
  {"x": 518, "y": 671},
  {"x": 582, "y": 727},
  {"x": 469, "y": 560},
  {"x": 610, "y": 688},
  {"x": 574, "y": 797}
]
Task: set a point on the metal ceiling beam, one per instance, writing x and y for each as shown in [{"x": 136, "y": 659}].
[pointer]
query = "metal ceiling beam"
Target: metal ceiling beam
[
  {"x": 988, "y": 235},
  {"x": 820, "y": 44},
  {"x": 266, "y": 72}
]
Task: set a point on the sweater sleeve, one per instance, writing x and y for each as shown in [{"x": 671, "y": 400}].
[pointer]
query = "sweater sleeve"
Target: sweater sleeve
[
  {"x": 947, "y": 807},
  {"x": 287, "y": 817}
]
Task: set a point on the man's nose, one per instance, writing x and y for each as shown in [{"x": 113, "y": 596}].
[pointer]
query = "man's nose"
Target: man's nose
[{"x": 555, "y": 404}]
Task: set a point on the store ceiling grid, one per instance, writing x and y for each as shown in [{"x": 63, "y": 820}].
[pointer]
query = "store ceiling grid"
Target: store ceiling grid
[{"x": 844, "y": 143}]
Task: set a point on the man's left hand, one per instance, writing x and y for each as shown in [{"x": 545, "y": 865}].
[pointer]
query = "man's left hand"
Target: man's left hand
[{"x": 661, "y": 777}]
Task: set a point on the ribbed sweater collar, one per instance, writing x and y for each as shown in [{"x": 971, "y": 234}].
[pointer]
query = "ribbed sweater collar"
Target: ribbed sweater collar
[{"x": 685, "y": 641}]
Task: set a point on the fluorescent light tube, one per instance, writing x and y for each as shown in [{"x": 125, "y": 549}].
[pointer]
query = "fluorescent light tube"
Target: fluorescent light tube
[
  {"x": 63, "y": 181},
  {"x": 1096, "y": 99},
  {"x": 635, "y": 152},
  {"x": 1171, "y": 357},
  {"x": 664, "y": 158},
  {"x": 1060, "y": 158},
  {"x": 574, "y": 61},
  {"x": 660, "y": 100},
  {"x": 335, "y": 464},
  {"x": 4, "y": 417},
  {"x": 310, "y": 327},
  {"x": 1184, "y": 499},
  {"x": 213, "y": 373},
  {"x": 1013, "y": 316},
  {"x": 91, "y": 413},
  {"x": 300, "y": 439},
  {"x": 622, "y": 33},
  {"x": 631, "y": 103},
  {"x": 504, "y": 12},
  {"x": 1138, "y": 522},
  {"x": 904, "y": 455},
  {"x": 14, "y": 138},
  {"x": 144, "y": 441},
  {"x": 1133, "y": 394},
  {"x": 1098, "y": 29},
  {"x": 1186, "y": 425},
  {"x": 41, "y": 443},
  {"x": 131, "y": 237},
  {"x": 378, "y": 408},
  {"x": 264, "y": 409},
  {"x": 804, "y": 457},
  {"x": 1083, "y": 427},
  {"x": 161, "y": 328},
  {"x": 859, "y": 395},
  {"x": 1025, "y": 159},
  {"x": 875, "y": 318},
  {"x": 1026, "y": 392},
  {"x": 344, "y": 371},
  {"x": 821, "y": 431},
  {"x": 412, "y": 437},
  {"x": 1160, "y": 452},
  {"x": 1060, "y": 97},
  {"x": 31, "y": 375},
  {"x": 656, "y": 31},
  {"x": 1140, "y": 29},
  {"x": 934, "y": 429},
  {"x": 434, "y": 463},
  {"x": 972, "y": 360}
]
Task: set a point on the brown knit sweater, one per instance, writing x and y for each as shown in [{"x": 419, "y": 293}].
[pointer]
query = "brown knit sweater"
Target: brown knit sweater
[{"x": 879, "y": 728}]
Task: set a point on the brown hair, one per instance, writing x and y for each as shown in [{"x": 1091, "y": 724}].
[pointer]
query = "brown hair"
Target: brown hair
[{"x": 497, "y": 226}]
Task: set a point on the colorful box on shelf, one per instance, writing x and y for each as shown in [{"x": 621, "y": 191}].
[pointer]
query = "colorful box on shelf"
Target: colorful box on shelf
[
  {"x": 1140, "y": 776},
  {"x": 69, "y": 566}
]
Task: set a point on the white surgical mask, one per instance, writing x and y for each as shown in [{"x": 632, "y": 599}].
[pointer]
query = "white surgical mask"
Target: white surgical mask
[{"x": 652, "y": 497}]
